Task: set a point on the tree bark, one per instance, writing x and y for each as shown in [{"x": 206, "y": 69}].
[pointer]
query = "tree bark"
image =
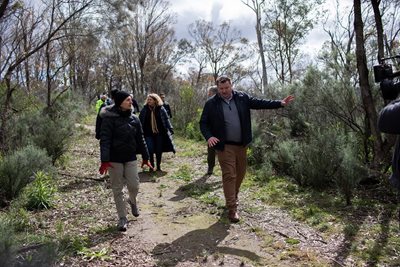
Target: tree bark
[
  {"x": 379, "y": 28},
  {"x": 3, "y": 7},
  {"x": 366, "y": 95},
  {"x": 257, "y": 8}
]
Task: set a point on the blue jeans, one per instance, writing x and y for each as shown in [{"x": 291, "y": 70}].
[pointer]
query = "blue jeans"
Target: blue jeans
[{"x": 155, "y": 145}]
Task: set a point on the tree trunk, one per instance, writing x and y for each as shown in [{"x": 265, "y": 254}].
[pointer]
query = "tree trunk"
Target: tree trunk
[
  {"x": 379, "y": 28},
  {"x": 3, "y": 7},
  {"x": 366, "y": 95},
  {"x": 5, "y": 113}
]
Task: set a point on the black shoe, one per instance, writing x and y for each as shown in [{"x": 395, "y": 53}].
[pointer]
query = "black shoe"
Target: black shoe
[
  {"x": 122, "y": 224},
  {"x": 210, "y": 171},
  {"x": 134, "y": 208}
]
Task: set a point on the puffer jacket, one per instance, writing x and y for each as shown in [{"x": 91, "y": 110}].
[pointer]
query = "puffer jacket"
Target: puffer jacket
[
  {"x": 121, "y": 136},
  {"x": 99, "y": 119},
  {"x": 388, "y": 122},
  {"x": 212, "y": 118}
]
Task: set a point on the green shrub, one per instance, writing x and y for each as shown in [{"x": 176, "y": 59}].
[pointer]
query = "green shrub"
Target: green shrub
[
  {"x": 349, "y": 173},
  {"x": 7, "y": 249},
  {"x": 49, "y": 128},
  {"x": 285, "y": 156},
  {"x": 44, "y": 131},
  {"x": 18, "y": 219},
  {"x": 264, "y": 173},
  {"x": 327, "y": 158},
  {"x": 40, "y": 193},
  {"x": 53, "y": 135},
  {"x": 18, "y": 168},
  {"x": 187, "y": 113},
  {"x": 311, "y": 162},
  {"x": 192, "y": 129},
  {"x": 262, "y": 145}
]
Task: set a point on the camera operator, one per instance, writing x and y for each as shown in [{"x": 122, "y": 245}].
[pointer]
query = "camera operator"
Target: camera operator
[{"x": 389, "y": 122}]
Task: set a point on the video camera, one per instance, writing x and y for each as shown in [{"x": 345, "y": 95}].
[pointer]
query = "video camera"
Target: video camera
[{"x": 384, "y": 75}]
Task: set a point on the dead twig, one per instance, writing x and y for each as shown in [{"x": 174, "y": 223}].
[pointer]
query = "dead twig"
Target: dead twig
[{"x": 102, "y": 179}]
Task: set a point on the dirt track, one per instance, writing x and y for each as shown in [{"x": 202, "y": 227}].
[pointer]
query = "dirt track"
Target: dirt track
[{"x": 176, "y": 230}]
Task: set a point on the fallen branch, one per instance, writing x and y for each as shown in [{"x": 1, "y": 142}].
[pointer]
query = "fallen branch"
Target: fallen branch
[{"x": 102, "y": 179}]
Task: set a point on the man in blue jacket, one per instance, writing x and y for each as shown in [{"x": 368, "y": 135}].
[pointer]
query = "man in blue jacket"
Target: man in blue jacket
[{"x": 226, "y": 125}]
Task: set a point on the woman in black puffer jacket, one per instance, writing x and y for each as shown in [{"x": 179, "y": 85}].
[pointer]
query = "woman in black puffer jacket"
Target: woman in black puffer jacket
[{"x": 121, "y": 138}]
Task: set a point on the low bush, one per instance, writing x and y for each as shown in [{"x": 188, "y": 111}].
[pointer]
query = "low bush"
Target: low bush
[
  {"x": 49, "y": 128},
  {"x": 18, "y": 168},
  {"x": 327, "y": 158},
  {"x": 40, "y": 194},
  {"x": 7, "y": 249},
  {"x": 192, "y": 129}
]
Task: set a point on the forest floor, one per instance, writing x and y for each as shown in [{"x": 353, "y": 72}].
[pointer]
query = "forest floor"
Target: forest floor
[{"x": 182, "y": 220}]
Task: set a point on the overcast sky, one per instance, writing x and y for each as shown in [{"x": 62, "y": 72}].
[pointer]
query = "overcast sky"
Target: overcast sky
[{"x": 240, "y": 16}]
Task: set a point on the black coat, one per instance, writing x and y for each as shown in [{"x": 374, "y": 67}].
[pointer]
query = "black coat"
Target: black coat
[
  {"x": 98, "y": 121},
  {"x": 389, "y": 122},
  {"x": 212, "y": 118},
  {"x": 168, "y": 109},
  {"x": 164, "y": 126},
  {"x": 121, "y": 136}
]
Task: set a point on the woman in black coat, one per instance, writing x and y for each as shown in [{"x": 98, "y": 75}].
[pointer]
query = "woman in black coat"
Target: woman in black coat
[
  {"x": 121, "y": 138},
  {"x": 157, "y": 128}
]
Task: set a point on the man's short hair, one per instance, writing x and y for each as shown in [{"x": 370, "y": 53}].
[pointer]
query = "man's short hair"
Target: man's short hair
[{"x": 222, "y": 79}]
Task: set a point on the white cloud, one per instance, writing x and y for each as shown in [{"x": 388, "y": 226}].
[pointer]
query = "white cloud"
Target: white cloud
[
  {"x": 217, "y": 11},
  {"x": 241, "y": 17}
]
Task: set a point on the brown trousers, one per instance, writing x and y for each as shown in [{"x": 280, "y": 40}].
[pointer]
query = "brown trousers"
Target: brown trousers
[{"x": 233, "y": 164}]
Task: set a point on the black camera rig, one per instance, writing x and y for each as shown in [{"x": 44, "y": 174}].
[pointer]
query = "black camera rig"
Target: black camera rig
[{"x": 384, "y": 75}]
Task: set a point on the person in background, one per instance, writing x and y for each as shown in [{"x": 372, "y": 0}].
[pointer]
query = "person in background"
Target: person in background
[
  {"x": 100, "y": 102},
  {"x": 226, "y": 125},
  {"x": 109, "y": 100},
  {"x": 166, "y": 105},
  {"x": 121, "y": 138},
  {"x": 135, "y": 105},
  {"x": 98, "y": 117},
  {"x": 157, "y": 128},
  {"x": 211, "y": 91}
]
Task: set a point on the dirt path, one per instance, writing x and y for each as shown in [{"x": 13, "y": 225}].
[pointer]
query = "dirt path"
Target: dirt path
[{"x": 174, "y": 229}]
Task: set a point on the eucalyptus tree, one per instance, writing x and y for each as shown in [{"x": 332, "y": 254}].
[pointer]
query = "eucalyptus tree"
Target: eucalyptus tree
[
  {"x": 344, "y": 99},
  {"x": 151, "y": 25},
  {"x": 20, "y": 41},
  {"x": 198, "y": 59},
  {"x": 80, "y": 48},
  {"x": 386, "y": 27},
  {"x": 257, "y": 7},
  {"x": 223, "y": 46},
  {"x": 366, "y": 92},
  {"x": 387, "y": 30},
  {"x": 286, "y": 25},
  {"x": 341, "y": 98}
]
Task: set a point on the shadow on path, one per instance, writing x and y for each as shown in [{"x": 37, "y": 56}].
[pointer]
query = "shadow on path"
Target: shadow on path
[
  {"x": 196, "y": 245},
  {"x": 195, "y": 188},
  {"x": 151, "y": 177}
]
